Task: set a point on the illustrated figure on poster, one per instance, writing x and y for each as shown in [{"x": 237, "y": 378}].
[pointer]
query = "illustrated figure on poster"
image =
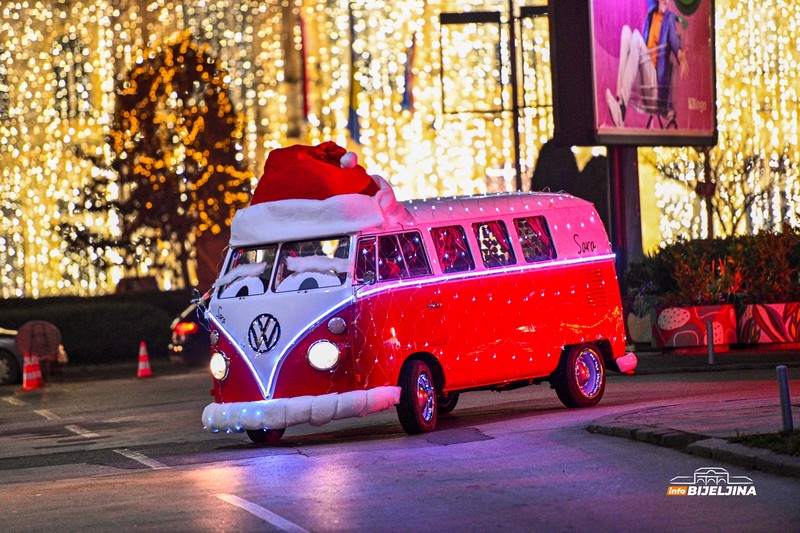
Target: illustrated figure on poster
[{"x": 644, "y": 78}]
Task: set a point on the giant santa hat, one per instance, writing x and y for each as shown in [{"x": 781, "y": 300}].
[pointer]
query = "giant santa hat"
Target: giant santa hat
[
  {"x": 312, "y": 191},
  {"x": 313, "y": 173}
]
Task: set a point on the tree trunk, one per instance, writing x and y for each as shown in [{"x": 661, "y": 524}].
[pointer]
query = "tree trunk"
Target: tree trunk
[{"x": 184, "y": 257}]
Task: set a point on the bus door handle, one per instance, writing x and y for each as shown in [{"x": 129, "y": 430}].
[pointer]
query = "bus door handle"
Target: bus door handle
[{"x": 434, "y": 305}]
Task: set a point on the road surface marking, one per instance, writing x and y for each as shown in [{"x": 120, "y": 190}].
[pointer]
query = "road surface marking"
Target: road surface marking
[
  {"x": 13, "y": 401},
  {"x": 47, "y": 414},
  {"x": 263, "y": 514},
  {"x": 82, "y": 432},
  {"x": 136, "y": 456}
]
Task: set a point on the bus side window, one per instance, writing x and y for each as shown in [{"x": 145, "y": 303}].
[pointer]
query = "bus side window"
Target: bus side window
[
  {"x": 452, "y": 249},
  {"x": 414, "y": 254},
  {"x": 390, "y": 260},
  {"x": 401, "y": 256},
  {"x": 535, "y": 239},
  {"x": 495, "y": 245},
  {"x": 365, "y": 260}
]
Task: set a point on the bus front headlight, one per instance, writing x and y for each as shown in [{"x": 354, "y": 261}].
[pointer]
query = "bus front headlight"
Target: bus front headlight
[
  {"x": 323, "y": 355},
  {"x": 219, "y": 366}
]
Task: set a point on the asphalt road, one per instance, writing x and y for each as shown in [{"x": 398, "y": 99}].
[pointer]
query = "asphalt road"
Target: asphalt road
[{"x": 131, "y": 454}]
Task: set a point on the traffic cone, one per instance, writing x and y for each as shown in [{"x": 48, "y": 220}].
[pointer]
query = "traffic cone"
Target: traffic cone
[
  {"x": 31, "y": 374},
  {"x": 144, "y": 362}
]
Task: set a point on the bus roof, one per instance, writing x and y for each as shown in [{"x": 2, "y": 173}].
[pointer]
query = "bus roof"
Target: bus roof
[{"x": 434, "y": 210}]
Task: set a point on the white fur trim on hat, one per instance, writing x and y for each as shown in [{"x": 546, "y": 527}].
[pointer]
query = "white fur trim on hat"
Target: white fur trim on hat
[{"x": 293, "y": 219}]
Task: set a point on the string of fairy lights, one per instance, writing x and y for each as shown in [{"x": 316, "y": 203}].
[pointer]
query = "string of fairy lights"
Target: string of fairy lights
[
  {"x": 61, "y": 60},
  {"x": 757, "y": 159}
]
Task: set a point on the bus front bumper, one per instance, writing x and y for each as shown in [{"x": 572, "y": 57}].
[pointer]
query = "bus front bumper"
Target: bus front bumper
[{"x": 284, "y": 412}]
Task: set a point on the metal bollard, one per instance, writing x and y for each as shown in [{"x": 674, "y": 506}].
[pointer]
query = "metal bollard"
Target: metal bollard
[
  {"x": 710, "y": 341},
  {"x": 786, "y": 404}
]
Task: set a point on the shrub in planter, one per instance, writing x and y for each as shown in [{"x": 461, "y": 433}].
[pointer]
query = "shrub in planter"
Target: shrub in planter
[
  {"x": 645, "y": 281},
  {"x": 760, "y": 273},
  {"x": 770, "y": 303},
  {"x": 695, "y": 282},
  {"x": 769, "y": 264}
]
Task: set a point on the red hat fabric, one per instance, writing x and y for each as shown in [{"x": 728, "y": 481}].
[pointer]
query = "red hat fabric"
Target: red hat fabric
[{"x": 311, "y": 173}]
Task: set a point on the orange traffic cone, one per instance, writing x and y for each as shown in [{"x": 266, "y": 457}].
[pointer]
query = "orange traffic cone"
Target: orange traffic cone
[
  {"x": 144, "y": 362},
  {"x": 31, "y": 374}
]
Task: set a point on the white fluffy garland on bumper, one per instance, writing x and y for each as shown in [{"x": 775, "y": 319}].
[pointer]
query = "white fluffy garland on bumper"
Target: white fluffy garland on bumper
[{"x": 284, "y": 412}]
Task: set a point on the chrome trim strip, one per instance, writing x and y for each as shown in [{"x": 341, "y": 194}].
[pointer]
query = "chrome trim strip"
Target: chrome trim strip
[{"x": 481, "y": 273}]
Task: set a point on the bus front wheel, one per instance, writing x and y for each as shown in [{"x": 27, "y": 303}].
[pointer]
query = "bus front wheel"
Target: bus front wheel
[
  {"x": 418, "y": 402},
  {"x": 265, "y": 436},
  {"x": 580, "y": 378}
]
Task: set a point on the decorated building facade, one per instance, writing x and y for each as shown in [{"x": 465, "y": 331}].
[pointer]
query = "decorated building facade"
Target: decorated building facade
[{"x": 426, "y": 100}]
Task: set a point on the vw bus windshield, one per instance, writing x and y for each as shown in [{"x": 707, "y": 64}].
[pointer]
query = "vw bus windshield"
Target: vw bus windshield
[
  {"x": 314, "y": 264},
  {"x": 249, "y": 271}
]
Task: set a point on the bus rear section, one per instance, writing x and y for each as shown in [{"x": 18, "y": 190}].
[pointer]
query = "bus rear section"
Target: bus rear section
[{"x": 489, "y": 293}]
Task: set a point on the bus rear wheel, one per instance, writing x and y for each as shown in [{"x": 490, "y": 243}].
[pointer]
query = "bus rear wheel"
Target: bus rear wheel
[
  {"x": 265, "y": 436},
  {"x": 580, "y": 378},
  {"x": 418, "y": 402}
]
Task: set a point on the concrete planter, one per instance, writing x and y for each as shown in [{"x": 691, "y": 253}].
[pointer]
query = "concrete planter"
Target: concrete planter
[
  {"x": 769, "y": 323},
  {"x": 685, "y": 327}
]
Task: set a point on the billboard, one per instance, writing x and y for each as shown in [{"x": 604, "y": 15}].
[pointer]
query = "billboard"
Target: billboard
[{"x": 653, "y": 71}]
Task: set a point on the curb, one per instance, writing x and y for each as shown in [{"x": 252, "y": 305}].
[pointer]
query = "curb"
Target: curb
[{"x": 702, "y": 446}]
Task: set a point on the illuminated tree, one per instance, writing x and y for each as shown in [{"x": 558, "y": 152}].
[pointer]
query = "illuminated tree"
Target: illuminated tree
[
  {"x": 175, "y": 149},
  {"x": 756, "y": 162},
  {"x": 738, "y": 189}
]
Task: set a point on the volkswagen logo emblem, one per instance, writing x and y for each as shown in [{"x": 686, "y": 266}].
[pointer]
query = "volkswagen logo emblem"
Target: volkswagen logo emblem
[{"x": 264, "y": 333}]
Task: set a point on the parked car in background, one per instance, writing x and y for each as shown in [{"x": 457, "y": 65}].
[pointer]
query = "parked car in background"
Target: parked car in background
[
  {"x": 11, "y": 362},
  {"x": 190, "y": 336}
]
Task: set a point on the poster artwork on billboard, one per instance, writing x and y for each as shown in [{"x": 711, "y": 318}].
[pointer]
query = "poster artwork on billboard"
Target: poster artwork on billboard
[{"x": 653, "y": 71}]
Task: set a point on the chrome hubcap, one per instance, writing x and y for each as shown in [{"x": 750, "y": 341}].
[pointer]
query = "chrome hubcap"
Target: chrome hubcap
[
  {"x": 588, "y": 373},
  {"x": 426, "y": 396}
]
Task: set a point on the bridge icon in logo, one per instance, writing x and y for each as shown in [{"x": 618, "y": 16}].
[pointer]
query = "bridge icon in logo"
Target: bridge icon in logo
[
  {"x": 711, "y": 481},
  {"x": 711, "y": 475},
  {"x": 264, "y": 333}
]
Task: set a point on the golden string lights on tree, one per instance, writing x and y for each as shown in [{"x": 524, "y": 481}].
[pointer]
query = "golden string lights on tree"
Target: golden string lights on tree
[{"x": 756, "y": 161}]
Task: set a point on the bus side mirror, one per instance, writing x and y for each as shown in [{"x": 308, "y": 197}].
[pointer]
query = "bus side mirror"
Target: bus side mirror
[{"x": 369, "y": 277}]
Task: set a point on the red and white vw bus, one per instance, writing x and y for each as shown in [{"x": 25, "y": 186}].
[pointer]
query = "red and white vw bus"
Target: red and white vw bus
[{"x": 336, "y": 308}]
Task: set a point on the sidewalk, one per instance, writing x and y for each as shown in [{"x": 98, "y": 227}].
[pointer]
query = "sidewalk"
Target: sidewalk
[
  {"x": 654, "y": 361},
  {"x": 703, "y": 429}
]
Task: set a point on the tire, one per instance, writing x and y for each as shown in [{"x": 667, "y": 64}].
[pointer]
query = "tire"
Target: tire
[
  {"x": 9, "y": 369},
  {"x": 265, "y": 436},
  {"x": 447, "y": 403},
  {"x": 580, "y": 378},
  {"x": 418, "y": 402}
]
